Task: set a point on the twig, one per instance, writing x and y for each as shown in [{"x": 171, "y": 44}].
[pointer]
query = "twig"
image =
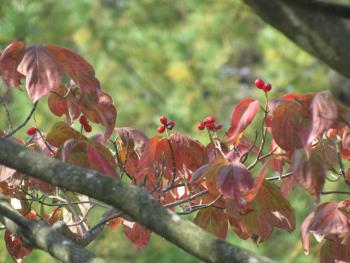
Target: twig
[
  {"x": 335, "y": 192},
  {"x": 198, "y": 207},
  {"x": 278, "y": 177},
  {"x": 244, "y": 157},
  {"x": 8, "y": 115},
  {"x": 74, "y": 212},
  {"x": 24, "y": 122},
  {"x": 190, "y": 198}
]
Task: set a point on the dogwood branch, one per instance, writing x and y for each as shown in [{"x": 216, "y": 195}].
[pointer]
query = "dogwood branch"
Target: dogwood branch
[
  {"x": 134, "y": 201},
  {"x": 39, "y": 234}
]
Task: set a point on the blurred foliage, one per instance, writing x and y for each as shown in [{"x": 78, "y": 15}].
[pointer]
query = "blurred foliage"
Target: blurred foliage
[{"x": 184, "y": 59}]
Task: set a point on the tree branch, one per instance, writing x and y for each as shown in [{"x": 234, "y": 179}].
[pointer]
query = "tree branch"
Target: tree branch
[
  {"x": 39, "y": 234},
  {"x": 131, "y": 200},
  {"x": 320, "y": 34},
  {"x": 325, "y": 7}
]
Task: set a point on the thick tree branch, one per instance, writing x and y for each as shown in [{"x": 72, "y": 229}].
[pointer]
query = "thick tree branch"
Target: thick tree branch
[
  {"x": 325, "y": 7},
  {"x": 320, "y": 34},
  {"x": 131, "y": 200},
  {"x": 38, "y": 234}
]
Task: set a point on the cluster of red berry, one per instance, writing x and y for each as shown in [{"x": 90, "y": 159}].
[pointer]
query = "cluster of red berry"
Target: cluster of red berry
[
  {"x": 260, "y": 84},
  {"x": 165, "y": 124},
  {"x": 209, "y": 123},
  {"x": 31, "y": 131},
  {"x": 85, "y": 123}
]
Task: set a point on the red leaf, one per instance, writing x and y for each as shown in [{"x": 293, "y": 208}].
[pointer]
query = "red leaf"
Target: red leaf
[
  {"x": 15, "y": 247},
  {"x": 290, "y": 125},
  {"x": 41, "y": 71},
  {"x": 101, "y": 164},
  {"x": 309, "y": 171},
  {"x": 132, "y": 137},
  {"x": 9, "y": 60},
  {"x": 334, "y": 252},
  {"x": 233, "y": 181},
  {"x": 324, "y": 112},
  {"x": 185, "y": 153},
  {"x": 242, "y": 115},
  {"x": 136, "y": 233},
  {"x": 61, "y": 132},
  {"x": 77, "y": 68},
  {"x": 103, "y": 112},
  {"x": 326, "y": 221},
  {"x": 213, "y": 220},
  {"x": 269, "y": 209}
]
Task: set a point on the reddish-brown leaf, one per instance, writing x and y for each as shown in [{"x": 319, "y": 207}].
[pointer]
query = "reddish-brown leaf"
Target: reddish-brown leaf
[
  {"x": 334, "y": 252},
  {"x": 269, "y": 209},
  {"x": 326, "y": 221},
  {"x": 324, "y": 112},
  {"x": 136, "y": 234},
  {"x": 213, "y": 220},
  {"x": 183, "y": 155},
  {"x": 9, "y": 59},
  {"x": 242, "y": 115},
  {"x": 309, "y": 171},
  {"x": 101, "y": 164},
  {"x": 41, "y": 71},
  {"x": 103, "y": 112},
  {"x": 132, "y": 138},
  {"x": 234, "y": 181},
  {"x": 77, "y": 68},
  {"x": 290, "y": 125},
  {"x": 61, "y": 132},
  {"x": 15, "y": 247}
]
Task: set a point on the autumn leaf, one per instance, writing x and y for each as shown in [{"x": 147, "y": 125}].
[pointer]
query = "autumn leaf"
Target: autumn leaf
[
  {"x": 9, "y": 60},
  {"x": 170, "y": 157},
  {"x": 326, "y": 221},
  {"x": 234, "y": 180},
  {"x": 333, "y": 251},
  {"x": 309, "y": 171},
  {"x": 242, "y": 115},
  {"x": 61, "y": 132},
  {"x": 101, "y": 164},
  {"x": 213, "y": 220},
  {"x": 268, "y": 210},
  {"x": 290, "y": 124},
  {"x": 324, "y": 112},
  {"x": 136, "y": 233},
  {"x": 42, "y": 72},
  {"x": 132, "y": 137},
  {"x": 103, "y": 112},
  {"x": 77, "y": 68},
  {"x": 15, "y": 247}
]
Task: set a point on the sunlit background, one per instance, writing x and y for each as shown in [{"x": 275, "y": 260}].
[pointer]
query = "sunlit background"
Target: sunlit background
[{"x": 185, "y": 59}]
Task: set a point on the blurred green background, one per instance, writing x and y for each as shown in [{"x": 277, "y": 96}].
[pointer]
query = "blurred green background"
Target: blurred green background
[{"x": 182, "y": 58}]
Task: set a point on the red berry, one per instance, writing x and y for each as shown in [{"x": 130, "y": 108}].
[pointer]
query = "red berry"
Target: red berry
[
  {"x": 31, "y": 130},
  {"x": 87, "y": 127},
  {"x": 161, "y": 129},
  {"x": 218, "y": 127},
  {"x": 170, "y": 125},
  {"x": 163, "y": 120},
  {"x": 83, "y": 120},
  {"x": 259, "y": 83},
  {"x": 211, "y": 126},
  {"x": 267, "y": 87},
  {"x": 210, "y": 119},
  {"x": 201, "y": 125}
]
